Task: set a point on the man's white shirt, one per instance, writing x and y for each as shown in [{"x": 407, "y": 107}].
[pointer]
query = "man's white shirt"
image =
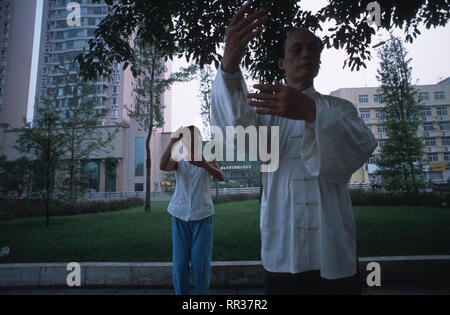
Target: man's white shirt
[{"x": 307, "y": 218}]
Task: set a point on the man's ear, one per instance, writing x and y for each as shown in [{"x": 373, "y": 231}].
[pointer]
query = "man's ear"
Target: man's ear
[{"x": 281, "y": 63}]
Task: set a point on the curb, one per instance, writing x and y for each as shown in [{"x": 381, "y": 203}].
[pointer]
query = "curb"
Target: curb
[{"x": 396, "y": 269}]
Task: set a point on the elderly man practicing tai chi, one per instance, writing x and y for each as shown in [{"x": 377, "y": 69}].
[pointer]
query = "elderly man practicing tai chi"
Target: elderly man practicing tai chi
[{"x": 307, "y": 224}]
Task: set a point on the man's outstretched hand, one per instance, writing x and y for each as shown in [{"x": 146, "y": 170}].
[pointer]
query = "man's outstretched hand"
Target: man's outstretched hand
[
  {"x": 240, "y": 32},
  {"x": 283, "y": 101}
]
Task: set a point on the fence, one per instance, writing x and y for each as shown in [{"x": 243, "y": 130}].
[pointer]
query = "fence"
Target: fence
[{"x": 165, "y": 196}]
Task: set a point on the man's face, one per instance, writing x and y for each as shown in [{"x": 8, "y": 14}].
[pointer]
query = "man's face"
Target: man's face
[{"x": 301, "y": 56}]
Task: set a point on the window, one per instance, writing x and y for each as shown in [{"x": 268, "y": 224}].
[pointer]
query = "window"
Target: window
[
  {"x": 380, "y": 114},
  {"x": 440, "y": 95},
  {"x": 378, "y": 98},
  {"x": 447, "y": 157},
  {"x": 444, "y": 127},
  {"x": 115, "y": 89},
  {"x": 138, "y": 187},
  {"x": 428, "y": 127},
  {"x": 114, "y": 101},
  {"x": 114, "y": 113},
  {"x": 441, "y": 111},
  {"x": 363, "y": 98},
  {"x": 426, "y": 112},
  {"x": 381, "y": 143},
  {"x": 92, "y": 175},
  {"x": 365, "y": 114},
  {"x": 433, "y": 157},
  {"x": 140, "y": 148},
  {"x": 423, "y": 96},
  {"x": 430, "y": 142},
  {"x": 371, "y": 160},
  {"x": 381, "y": 129},
  {"x": 446, "y": 141}
]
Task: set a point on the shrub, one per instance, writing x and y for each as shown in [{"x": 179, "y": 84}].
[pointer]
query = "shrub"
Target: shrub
[
  {"x": 26, "y": 208},
  {"x": 425, "y": 199},
  {"x": 235, "y": 197}
]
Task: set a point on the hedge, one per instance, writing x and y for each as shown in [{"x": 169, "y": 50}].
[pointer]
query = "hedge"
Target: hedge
[{"x": 26, "y": 208}]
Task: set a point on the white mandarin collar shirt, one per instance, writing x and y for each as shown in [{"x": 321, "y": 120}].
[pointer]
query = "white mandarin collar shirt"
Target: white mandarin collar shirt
[
  {"x": 192, "y": 198},
  {"x": 307, "y": 218}
]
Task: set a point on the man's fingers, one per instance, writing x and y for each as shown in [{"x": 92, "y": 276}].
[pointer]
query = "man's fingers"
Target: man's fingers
[
  {"x": 258, "y": 14},
  {"x": 268, "y": 105},
  {"x": 249, "y": 29},
  {"x": 252, "y": 35},
  {"x": 240, "y": 13},
  {"x": 262, "y": 96},
  {"x": 269, "y": 87}
]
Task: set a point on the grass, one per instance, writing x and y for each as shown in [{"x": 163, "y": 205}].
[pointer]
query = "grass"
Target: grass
[{"x": 131, "y": 235}]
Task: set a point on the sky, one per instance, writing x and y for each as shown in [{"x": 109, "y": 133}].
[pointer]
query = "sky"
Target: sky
[
  {"x": 35, "y": 60},
  {"x": 429, "y": 53}
]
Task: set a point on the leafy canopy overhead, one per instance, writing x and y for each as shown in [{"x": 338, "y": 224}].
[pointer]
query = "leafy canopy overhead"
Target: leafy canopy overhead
[{"x": 196, "y": 29}]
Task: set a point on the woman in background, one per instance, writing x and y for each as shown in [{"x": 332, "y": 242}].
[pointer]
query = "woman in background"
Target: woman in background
[{"x": 191, "y": 208}]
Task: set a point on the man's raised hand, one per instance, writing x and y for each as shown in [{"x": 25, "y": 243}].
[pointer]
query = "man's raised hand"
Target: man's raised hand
[
  {"x": 240, "y": 32},
  {"x": 283, "y": 101}
]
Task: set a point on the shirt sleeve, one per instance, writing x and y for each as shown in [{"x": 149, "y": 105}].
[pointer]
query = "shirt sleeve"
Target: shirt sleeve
[
  {"x": 229, "y": 106},
  {"x": 338, "y": 142}
]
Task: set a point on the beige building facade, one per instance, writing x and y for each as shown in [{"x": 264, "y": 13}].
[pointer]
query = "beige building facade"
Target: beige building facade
[{"x": 434, "y": 127}]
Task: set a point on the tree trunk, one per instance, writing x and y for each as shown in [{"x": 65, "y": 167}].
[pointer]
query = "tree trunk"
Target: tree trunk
[
  {"x": 148, "y": 173},
  {"x": 47, "y": 210},
  {"x": 71, "y": 183},
  {"x": 47, "y": 197}
]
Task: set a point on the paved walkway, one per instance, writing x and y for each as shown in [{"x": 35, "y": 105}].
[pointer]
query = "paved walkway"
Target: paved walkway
[{"x": 423, "y": 289}]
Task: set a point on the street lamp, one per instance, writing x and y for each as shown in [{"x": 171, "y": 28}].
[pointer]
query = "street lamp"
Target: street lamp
[
  {"x": 384, "y": 42},
  {"x": 380, "y": 44}
]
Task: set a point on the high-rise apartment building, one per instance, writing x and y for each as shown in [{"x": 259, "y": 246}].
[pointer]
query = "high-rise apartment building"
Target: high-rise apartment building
[
  {"x": 434, "y": 128},
  {"x": 60, "y": 42},
  {"x": 17, "y": 19}
]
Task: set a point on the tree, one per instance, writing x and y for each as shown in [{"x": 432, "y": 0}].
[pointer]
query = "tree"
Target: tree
[
  {"x": 110, "y": 164},
  {"x": 169, "y": 182},
  {"x": 148, "y": 90},
  {"x": 14, "y": 176},
  {"x": 81, "y": 118},
  {"x": 197, "y": 28},
  {"x": 207, "y": 76},
  {"x": 44, "y": 140},
  {"x": 206, "y": 79},
  {"x": 400, "y": 162}
]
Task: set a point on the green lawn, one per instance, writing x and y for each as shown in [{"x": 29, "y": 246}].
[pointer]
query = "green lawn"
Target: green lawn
[{"x": 131, "y": 235}]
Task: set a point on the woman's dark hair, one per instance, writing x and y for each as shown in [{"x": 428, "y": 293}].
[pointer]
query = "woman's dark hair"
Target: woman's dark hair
[{"x": 285, "y": 35}]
